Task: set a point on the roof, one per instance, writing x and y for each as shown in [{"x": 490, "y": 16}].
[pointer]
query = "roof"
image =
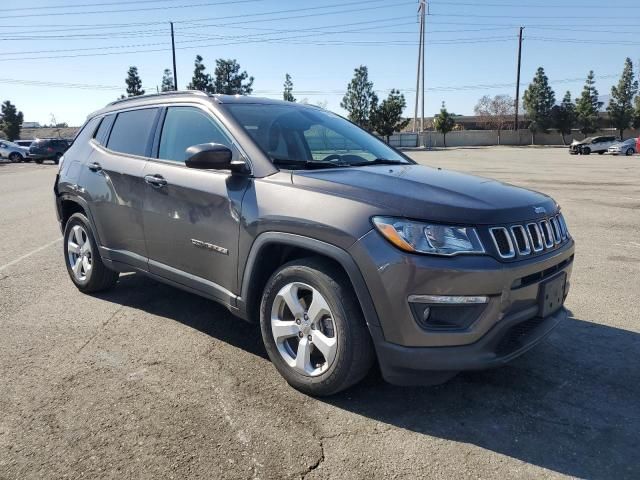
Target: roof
[{"x": 155, "y": 98}]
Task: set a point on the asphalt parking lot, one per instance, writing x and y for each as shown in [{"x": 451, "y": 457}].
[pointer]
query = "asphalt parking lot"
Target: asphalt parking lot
[{"x": 146, "y": 381}]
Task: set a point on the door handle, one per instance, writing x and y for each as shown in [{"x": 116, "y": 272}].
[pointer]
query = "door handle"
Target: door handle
[
  {"x": 95, "y": 167},
  {"x": 156, "y": 181}
]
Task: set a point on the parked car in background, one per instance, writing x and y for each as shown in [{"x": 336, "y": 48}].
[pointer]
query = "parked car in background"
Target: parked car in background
[
  {"x": 23, "y": 143},
  {"x": 591, "y": 145},
  {"x": 13, "y": 152},
  {"x": 48, "y": 149},
  {"x": 627, "y": 147}
]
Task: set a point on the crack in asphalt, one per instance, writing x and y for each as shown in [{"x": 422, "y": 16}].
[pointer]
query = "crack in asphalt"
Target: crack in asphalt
[{"x": 102, "y": 327}]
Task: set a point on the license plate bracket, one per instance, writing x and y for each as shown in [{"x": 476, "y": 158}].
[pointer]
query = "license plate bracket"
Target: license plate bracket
[{"x": 551, "y": 295}]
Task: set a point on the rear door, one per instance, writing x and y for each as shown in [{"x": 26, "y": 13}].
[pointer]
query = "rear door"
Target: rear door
[
  {"x": 113, "y": 180},
  {"x": 192, "y": 217}
]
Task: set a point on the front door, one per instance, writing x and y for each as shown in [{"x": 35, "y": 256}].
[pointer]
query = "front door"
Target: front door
[{"x": 192, "y": 217}]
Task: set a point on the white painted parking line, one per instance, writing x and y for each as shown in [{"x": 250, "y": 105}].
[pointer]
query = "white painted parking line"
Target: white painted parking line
[{"x": 33, "y": 252}]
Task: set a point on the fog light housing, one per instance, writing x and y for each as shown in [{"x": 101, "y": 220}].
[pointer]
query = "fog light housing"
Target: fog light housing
[{"x": 446, "y": 313}]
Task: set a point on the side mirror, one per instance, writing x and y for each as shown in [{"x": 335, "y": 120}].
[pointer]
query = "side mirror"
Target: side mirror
[{"x": 209, "y": 156}]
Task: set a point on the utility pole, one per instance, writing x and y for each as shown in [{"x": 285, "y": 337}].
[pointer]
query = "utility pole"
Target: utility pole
[
  {"x": 518, "y": 76},
  {"x": 420, "y": 69},
  {"x": 173, "y": 48}
]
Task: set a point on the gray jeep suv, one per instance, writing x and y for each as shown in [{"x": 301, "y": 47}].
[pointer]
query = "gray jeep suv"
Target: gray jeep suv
[{"x": 344, "y": 250}]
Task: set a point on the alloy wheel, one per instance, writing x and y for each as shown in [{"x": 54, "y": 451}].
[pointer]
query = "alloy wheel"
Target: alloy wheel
[
  {"x": 304, "y": 329},
  {"x": 79, "y": 254}
]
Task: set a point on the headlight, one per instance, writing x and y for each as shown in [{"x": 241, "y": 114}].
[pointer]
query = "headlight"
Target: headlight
[{"x": 435, "y": 239}]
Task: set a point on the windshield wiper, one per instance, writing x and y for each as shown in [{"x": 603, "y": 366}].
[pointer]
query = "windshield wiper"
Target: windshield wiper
[
  {"x": 307, "y": 164},
  {"x": 380, "y": 161}
]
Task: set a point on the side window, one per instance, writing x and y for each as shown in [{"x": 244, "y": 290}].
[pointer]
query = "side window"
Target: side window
[
  {"x": 187, "y": 126},
  {"x": 102, "y": 133},
  {"x": 131, "y": 131}
]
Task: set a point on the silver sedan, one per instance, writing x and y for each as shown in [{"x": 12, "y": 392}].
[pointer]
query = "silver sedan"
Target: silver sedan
[
  {"x": 626, "y": 147},
  {"x": 13, "y": 152}
]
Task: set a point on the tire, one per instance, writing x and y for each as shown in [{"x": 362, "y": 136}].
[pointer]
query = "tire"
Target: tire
[
  {"x": 339, "y": 323},
  {"x": 586, "y": 151},
  {"x": 629, "y": 152},
  {"x": 38, "y": 161},
  {"x": 84, "y": 265},
  {"x": 15, "y": 157}
]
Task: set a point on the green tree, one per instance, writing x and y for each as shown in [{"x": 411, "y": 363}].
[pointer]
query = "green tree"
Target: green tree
[
  {"x": 167, "y": 81},
  {"x": 287, "y": 93},
  {"x": 564, "y": 116},
  {"x": 538, "y": 100},
  {"x": 360, "y": 100},
  {"x": 134, "y": 84},
  {"x": 588, "y": 106},
  {"x": 229, "y": 80},
  {"x": 620, "y": 108},
  {"x": 10, "y": 121},
  {"x": 444, "y": 122},
  {"x": 387, "y": 118},
  {"x": 200, "y": 80}
]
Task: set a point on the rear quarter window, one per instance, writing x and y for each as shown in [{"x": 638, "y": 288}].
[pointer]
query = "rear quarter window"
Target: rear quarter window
[{"x": 131, "y": 132}]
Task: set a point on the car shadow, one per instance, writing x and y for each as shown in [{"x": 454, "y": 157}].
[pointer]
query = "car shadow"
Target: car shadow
[{"x": 570, "y": 405}]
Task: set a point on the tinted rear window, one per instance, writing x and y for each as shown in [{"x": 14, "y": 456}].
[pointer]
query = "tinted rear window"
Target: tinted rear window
[
  {"x": 103, "y": 130},
  {"x": 131, "y": 131}
]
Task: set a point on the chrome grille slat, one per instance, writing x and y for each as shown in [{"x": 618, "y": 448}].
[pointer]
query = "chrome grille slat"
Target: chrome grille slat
[
  {"x": 536, "y": 243},
  {"x": 524, "y": 249},
  {"x": 507, "y": 237},
  {"x": 530, "y": 238}
]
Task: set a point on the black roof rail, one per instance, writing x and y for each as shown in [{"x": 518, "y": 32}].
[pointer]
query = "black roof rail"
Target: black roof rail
[{"x": 160, "y": 94}]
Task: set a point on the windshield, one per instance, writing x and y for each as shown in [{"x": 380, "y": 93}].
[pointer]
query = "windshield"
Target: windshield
[{"x": 295, "y": 137}]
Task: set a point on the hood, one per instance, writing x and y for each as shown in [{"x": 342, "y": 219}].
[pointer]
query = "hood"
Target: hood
[{"x": 425, "y": 193}]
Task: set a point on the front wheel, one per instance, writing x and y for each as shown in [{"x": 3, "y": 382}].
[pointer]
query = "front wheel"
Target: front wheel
[
  {"x": 82, "y": 257},
  {"x": 586, "y": 151},
  {"x": 313, "y": 328},
  {"x": 15, "y": 157}
]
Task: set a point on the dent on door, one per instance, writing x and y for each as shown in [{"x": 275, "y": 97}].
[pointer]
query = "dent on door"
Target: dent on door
[{"x": 192, "y": 225}]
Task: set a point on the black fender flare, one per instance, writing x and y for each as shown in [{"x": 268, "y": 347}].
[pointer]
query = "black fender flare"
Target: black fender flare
[
  {"x": 85, "y": 206},
  {"x": 339, "y": 255}
]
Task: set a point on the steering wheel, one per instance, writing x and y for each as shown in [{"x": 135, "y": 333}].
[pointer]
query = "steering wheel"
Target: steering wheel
[{"x": 332, "y": 157}]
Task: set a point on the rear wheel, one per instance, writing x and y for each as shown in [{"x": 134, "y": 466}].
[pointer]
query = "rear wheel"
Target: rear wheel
[
  {"x": 313, "y": 329},
  {"x": 82, "y": 257},
  {"x": 629, "y": 152}
]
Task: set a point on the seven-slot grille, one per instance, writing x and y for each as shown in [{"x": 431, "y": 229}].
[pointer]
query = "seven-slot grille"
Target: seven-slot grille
[{"x": 533, "y": 237}]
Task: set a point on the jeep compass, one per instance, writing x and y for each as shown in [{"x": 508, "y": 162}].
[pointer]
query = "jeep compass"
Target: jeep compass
[{"x": 344, "y": 251}]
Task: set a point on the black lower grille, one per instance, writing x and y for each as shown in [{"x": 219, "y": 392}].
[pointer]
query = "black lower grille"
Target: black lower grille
[{"x": 516, "y": 336}]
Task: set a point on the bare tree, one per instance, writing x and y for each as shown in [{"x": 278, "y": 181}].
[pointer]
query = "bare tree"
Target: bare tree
[{"x": 496, "y": 112}]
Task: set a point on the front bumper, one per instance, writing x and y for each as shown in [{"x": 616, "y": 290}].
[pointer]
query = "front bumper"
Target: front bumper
[{"x": 508, "y": 326}]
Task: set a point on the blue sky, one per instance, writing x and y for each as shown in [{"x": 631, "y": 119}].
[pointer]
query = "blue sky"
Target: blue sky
[{"x": 69, "y": 58}]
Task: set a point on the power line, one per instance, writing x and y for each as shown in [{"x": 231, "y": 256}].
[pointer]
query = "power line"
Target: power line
[
  {"x": 443, "y": 88},
  {"x": 128, "y": 10},
  {"x": 217, "y": 18},
  {"x": 82, "y": 5}
]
